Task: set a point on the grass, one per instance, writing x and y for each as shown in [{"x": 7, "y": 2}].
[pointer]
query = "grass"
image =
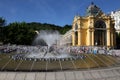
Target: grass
[{"x": 90, "y": 61}]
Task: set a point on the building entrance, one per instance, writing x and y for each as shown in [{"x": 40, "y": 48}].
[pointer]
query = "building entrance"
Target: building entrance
[{"x": 100, "y": 38}]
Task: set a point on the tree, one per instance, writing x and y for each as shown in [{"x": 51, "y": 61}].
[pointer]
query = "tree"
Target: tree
[
  {"x": 2, "y": 23},
  {"x": 24, "y": 33},
  {"x": 66, "y": 28}
]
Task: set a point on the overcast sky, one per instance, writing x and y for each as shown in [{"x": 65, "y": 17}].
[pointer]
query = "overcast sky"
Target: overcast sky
[{"x": 59, "y": 12}]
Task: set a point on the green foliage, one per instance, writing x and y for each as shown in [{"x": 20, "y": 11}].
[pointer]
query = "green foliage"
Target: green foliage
[
  {"x": 24, "y": 33},
  {"x": 2, "y": 21},
  {"x": 65, "y": 29}
]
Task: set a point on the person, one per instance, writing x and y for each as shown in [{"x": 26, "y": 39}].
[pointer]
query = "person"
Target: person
[{"x": 95, "y": 50}]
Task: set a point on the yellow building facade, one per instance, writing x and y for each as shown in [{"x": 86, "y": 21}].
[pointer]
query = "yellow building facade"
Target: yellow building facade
[{"x": 94, "y": 29}]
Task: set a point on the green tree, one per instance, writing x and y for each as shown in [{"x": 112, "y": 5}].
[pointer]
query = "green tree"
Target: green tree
[
  {"x": 65, "y": 29},
  {"x": 2, "y": 24},
  {"x": 2, "y": 21},
  {"x": 24, "y": 33}
]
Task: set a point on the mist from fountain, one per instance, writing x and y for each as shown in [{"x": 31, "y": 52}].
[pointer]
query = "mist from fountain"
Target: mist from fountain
[
  {"x": 47, "y": 40},
  {"x": 49, "y": 37}
]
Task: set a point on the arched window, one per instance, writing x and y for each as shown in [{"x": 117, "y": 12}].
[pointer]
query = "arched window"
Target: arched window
[
  {"x": 100, "y": 24},
  {"x": 76, "y": 33},
  {"x": 76, "y": 27}
]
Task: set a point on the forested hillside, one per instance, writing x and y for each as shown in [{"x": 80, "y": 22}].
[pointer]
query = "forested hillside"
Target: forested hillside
[{"x": 24, "y": 33}]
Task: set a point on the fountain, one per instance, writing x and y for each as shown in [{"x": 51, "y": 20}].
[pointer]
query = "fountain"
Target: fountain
[
  {"x": 46, "y": 54},
  {"x": 47, "y": 40},
  {"x": 49, "y": 37}
]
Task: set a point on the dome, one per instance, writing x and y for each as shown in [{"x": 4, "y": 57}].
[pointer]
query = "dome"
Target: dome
[{"x": 92, "y": 10}]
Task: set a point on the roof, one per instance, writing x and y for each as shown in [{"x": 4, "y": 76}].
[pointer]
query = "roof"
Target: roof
[{"x": 92, "y": 9}]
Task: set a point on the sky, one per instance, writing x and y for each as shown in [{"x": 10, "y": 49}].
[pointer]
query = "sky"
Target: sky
[{"x": 58, "y": 12}]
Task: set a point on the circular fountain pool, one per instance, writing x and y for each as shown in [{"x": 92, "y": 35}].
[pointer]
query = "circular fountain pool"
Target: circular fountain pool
[{"x": 46, "y": 55}]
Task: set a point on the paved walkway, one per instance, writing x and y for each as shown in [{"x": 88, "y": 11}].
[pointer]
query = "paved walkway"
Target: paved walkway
[{"x": 97, "y": 74}]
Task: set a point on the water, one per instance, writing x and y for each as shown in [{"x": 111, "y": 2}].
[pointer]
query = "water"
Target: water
[
  {"x": 47, "y": 37},
  {"x": 62, "y": 55},
  {"x": 48, "y": 46},
  {"x": 47, "y": 49}
]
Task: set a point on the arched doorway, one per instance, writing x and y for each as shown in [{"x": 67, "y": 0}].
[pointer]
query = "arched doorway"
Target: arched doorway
[
  {"x": 100, "y": 33},
  {"x": 76, "y": 34}
]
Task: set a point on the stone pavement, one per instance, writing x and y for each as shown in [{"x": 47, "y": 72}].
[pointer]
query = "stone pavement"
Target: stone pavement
[{"x": 112, "y": 73}]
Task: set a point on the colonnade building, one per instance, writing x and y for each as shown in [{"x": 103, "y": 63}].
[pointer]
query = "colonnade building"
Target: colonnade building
[
  {"x": 66, "y": 39},
  {"x": 93, "y": 29}
]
